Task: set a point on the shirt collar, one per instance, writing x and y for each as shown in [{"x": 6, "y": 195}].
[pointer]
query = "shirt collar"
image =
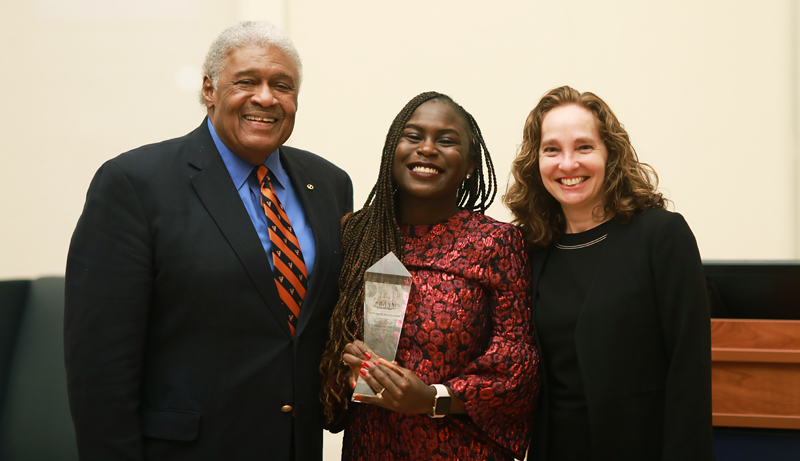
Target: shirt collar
[
  {"x": 275, "y": 165},
  {"x": 239, "y": 169}
]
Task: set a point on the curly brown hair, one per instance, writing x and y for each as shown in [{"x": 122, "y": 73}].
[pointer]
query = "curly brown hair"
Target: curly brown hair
[
  {"x": 372, "y": 232},
  {"x": 629, "y": 185}
]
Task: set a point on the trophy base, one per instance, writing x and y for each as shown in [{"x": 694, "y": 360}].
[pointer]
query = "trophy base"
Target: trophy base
[{"x": 362, "y": 388}]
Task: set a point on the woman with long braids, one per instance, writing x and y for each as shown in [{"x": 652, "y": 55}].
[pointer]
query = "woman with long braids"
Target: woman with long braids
[{"x": 467, "y": 338}]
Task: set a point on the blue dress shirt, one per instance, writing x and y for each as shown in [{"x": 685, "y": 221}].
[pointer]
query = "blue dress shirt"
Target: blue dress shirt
[{"x": 243, "y": 174}]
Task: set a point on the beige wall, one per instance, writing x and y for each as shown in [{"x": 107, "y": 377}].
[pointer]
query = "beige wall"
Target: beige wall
[{"x": 707, "y": 89}]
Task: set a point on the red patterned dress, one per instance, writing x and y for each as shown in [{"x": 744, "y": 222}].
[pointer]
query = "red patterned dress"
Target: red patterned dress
[{"x": 468, "y": 326}]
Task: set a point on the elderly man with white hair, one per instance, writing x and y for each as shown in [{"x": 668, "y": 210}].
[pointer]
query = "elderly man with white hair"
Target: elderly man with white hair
[{"x": 202, "y": 274}]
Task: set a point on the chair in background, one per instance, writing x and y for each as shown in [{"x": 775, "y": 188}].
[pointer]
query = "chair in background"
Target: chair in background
[{"x": 35, "y": 422}]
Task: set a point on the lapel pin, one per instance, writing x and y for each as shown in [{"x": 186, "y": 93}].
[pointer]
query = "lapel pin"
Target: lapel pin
[{"x": 310, "y": 186}]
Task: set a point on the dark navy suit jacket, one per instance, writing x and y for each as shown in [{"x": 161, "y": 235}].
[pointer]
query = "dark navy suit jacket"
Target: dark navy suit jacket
[{"x": 177, "y": 346}]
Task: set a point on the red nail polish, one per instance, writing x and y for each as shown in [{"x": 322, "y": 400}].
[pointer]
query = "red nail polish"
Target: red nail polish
[
  {"x": 375, "y": 363},
  {"x": 357, "y": 398},
  {"x": 367, "y": 355},
  {"x": 353, "y": 384},
  {"x": 363, "y": 372},
  {"x": 366, "y": 364}
]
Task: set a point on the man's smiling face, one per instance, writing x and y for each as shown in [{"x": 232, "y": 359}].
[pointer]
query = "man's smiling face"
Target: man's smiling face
[{"x": 254, "y": 103}]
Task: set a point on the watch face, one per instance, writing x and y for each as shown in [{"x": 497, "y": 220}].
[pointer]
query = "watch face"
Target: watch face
[
  {"x": 443, "y": 405},
  {"x": 441, "y": 402}
]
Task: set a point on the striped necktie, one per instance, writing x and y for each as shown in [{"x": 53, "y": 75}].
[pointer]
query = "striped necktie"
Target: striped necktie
[{"x": 290, "y": 272}]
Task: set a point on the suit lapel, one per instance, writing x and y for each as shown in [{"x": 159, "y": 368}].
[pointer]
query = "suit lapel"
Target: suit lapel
[
  {"x": 308, "y": 186},
  {"x": 537, "y": 259},
  {"x": 215, "y": 188},
  {"x": 537, "y": 263}
]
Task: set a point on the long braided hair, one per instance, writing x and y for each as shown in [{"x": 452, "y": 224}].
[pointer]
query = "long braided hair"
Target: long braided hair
[{"x": 372, "y": 232}]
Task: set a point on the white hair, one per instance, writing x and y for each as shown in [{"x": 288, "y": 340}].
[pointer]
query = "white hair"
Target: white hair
[{"x": 244, "y": 34}]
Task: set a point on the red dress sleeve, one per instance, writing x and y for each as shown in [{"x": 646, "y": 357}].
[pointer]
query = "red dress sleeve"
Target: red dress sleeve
[{"x": 499, "y": 388}]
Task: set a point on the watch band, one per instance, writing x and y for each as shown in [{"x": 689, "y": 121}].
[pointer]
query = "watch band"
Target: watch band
[{"x": 441, "y": 402}]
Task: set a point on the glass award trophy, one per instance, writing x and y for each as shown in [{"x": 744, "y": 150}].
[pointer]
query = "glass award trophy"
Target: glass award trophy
[{"x": 387, "y": 285}]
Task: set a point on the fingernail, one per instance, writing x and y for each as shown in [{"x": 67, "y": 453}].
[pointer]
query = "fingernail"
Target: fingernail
[
  {"x": 367, "y": 355},
  {"x": 353, "y": 384},
  {"x": 366, "y": 364},
  {"x": 357, "y": 398},
  {"x": 375, "y": 363},
  {"x": 363, "y": 372}
]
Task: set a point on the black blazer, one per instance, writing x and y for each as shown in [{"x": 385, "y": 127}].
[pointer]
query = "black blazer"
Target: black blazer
[
  {"x": 176, "y": 343},
  {"x": 643, "y": 345}
]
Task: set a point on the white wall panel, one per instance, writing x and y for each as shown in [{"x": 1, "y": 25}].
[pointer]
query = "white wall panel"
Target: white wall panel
[{"x": 707, "y": 89}]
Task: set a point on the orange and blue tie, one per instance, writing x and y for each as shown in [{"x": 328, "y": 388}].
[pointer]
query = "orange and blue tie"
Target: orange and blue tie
[{"x": 291, "y": 276}]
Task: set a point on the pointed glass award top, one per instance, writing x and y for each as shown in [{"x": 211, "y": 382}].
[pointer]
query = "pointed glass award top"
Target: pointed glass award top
[
  {"x": 387, "y": 286},
  {"x": 389, "y": 265}
]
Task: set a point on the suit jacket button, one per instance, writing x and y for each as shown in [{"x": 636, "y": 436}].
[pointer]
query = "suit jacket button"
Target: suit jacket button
[{"x": 286, "y": 408}]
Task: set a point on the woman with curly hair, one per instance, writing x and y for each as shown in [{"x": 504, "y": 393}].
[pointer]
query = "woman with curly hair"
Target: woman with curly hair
[
  {"x": 619, "y": 298},
  {"x": 465, "y": 378}
]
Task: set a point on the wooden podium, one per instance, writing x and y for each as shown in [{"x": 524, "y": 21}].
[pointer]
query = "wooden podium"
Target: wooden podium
[{"x": 755, "y": 373}]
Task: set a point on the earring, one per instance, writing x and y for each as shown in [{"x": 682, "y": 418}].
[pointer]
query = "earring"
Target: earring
[{"x": 469, "y": 175}]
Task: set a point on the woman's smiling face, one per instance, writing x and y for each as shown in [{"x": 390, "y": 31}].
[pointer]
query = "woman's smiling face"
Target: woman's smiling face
[
  {"x": 432, "y": 157},
  {"x": 572, "y": 159}
]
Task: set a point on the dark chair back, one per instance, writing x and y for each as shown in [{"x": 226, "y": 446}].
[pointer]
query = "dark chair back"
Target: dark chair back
[
  {"x": 35, "y": 422},
  {"x": 13, "y": 294}
]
